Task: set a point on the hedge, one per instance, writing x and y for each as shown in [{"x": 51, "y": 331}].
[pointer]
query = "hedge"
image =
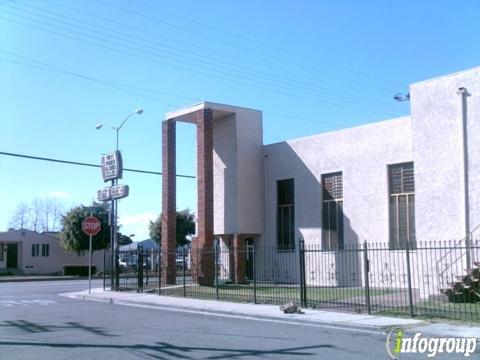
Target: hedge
[{"x": 78, "y": 270}]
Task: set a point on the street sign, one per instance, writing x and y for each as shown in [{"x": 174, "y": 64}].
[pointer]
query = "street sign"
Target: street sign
[
  {"x": 91, "y": 226},
  {"x": 104, "y": 194},
  {"x": 112, "y": 166},
  {"x": 113, "y": 192},
  {"x": 119, "y": 191}
]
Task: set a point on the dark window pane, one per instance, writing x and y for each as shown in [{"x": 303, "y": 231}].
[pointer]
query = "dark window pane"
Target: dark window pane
[
  {"x": 393, "y": 223},
  {"x": 340, "y": 224},
  {"x": 291, "y": 240},
  {"x": 281, "y": 192},
  {"x": 411, "y": 220},
  {"x": 402, "y": 221},
  {"x": 333, "y": 225},
  {"x": 325, "y": 226},
  {"x": 285, "y": 214},
  {"x": 290, "y": 192},
  {"x": 279, "y": 227}
]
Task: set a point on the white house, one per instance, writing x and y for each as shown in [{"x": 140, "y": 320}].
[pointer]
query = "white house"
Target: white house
[{"x": 29, "y": 252}]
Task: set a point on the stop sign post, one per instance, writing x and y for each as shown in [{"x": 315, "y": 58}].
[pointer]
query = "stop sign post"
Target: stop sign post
[{"x": 91, "y": 226}]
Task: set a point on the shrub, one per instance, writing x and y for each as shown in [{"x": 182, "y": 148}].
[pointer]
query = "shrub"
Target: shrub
[{"x": 78, "y": 270}]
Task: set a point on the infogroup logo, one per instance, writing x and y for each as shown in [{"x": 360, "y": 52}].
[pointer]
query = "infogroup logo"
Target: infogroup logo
[{"x": 397, "y": 343}]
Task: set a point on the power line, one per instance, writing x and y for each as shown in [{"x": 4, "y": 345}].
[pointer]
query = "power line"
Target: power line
[
  {"x": 69, "y": 162},
  {"x": 261, "y": 86},
  {"x": 111, "y": 84},
  {"x": 369, "y": 87},
  {"x": 249, "y": 49},
  {"x": 273, "y": 47},
  {"x": 249, "y": 74},
  {"x": 182, "y": 52},
  {"x": 124, "y": 87}
]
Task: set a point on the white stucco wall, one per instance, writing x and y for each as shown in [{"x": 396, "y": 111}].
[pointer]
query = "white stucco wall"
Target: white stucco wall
[
  {"x": 436, "y": 121},
  {"x": 238, "y": 170},
  {"x": 225, "y": 191},
  {"x": 58, "y": 256},
  {"x": 362, "y": 154}
]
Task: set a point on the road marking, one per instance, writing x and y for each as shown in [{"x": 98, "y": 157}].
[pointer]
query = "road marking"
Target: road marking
[{"x": 11, "y": 303}]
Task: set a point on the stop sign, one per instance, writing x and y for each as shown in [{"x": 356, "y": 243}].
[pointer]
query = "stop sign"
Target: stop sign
[{"x": 91, "y": 225}]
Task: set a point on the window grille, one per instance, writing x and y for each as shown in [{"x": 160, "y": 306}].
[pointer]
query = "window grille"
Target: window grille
[
  {"x": 402, "y": 205},
  {"x": 332, "y": 211}
]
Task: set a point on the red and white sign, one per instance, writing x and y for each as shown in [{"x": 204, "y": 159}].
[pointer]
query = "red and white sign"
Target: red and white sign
[{"x": 91, "y": 226}]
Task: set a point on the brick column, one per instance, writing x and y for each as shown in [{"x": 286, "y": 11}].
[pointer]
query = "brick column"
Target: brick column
[
  {"x": 239, "y": 256},
  {"x": 168, "y": 202},
  {"x": 205, "y": 262}
]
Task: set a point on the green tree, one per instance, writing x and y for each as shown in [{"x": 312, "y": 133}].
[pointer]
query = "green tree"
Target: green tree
[
  {"x": 124, "y": 239},
  {"x": 185, "y": 227},
  {"x": 74, "y": 239}
]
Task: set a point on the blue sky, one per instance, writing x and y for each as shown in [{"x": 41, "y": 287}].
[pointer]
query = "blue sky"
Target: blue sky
[{"x": 310, "y": 66}]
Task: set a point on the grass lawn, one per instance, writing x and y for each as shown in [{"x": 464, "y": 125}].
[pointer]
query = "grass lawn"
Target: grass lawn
[
  {"x": 463, "y": 311},
  {"x": 273, "y": 294}
]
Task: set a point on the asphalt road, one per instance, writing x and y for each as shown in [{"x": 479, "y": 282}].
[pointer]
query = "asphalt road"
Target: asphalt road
[{"x": 36, "y": 323}]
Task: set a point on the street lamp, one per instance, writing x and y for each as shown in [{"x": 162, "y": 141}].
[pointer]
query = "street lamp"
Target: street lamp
[
  {"x": 114, "y": 236},
  {"x": 117, "y": 128}
]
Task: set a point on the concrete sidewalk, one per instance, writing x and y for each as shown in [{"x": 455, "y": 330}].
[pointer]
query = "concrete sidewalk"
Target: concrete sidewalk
[{"x": 348, "y": 321}]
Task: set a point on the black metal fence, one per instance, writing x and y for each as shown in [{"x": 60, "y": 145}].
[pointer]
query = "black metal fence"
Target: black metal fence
[{"x": 440, "y": 279}]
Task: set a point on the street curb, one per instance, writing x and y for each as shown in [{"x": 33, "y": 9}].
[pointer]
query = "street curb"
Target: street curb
[{"x": 297, "y": 321}]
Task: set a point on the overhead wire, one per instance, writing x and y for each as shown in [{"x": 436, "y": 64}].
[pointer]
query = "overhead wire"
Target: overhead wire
[
  {"x": 125, "y": 87},
  {"x": 264, "y": 44},
  {"x": 250, "y": 76},
  {"x": 196, "y": 33},
  {"x": 362, "y": 107},
  {"x": 366, "y": 89},
  {"x": 78, "y": 163}
]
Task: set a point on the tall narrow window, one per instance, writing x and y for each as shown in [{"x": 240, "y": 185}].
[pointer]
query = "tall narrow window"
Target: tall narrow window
[
  {"x": 402, "y": 205},
  {"x": 35, "y": 250},
  {"x": 45, "y": 250},
  {"x": 332, "y": 211},
  {"x": 285, "y": 214}
]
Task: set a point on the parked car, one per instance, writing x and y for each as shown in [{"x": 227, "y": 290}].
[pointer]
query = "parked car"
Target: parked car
[{"x": 128, "y": 261}]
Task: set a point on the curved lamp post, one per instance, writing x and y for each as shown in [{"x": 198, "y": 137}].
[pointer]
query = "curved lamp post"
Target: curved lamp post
[
  {"x": 114, "y": 235},
  {"x": 117, "y": 128}
]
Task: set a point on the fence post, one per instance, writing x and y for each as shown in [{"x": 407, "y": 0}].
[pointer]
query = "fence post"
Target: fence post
[
  {"x": 160, "y": 271},
  {"x": 254, "y": 276},
  {"x": 117, "y": 270},
  {"x": 303, "y": 287},
  {"x": 139, "y": 269},
  {"x": 215, "y": 254},
  {"x": 409, "y": 274},
  {"x": 104, "y": 269},
  {"x": 366, "y": 271},
  {"x": 183, "y": 275}
]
